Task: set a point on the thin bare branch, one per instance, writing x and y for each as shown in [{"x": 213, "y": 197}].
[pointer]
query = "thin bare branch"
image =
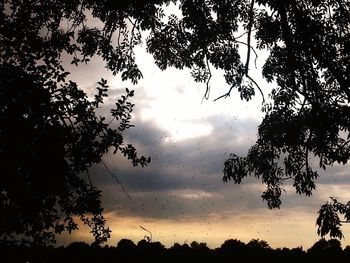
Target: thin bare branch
[
  {"x": 111, "y": 121},
  {"x": 115, "y": 178},
  {"x": 241, "y": 35},
  {"x": 227, "y": 94},
  {"x": 255, "y": 53},
  {"x": 148, "y": 232},
  {"x": 135, "y": 25},
  {"x": 87, "y": 174},
  {"x": 302, "y": 107},
  {"x": 286, "y": 178}
]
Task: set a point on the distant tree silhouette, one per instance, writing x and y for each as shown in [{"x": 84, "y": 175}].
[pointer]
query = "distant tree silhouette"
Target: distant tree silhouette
[
  {"x": 289, "y": 255},
  {"x": 232, "y": 248},
  {"x": 78, "y": 245},
  {"x": 232, "y": 244},
  {"x": 196, "y": 245},
  {"x": 256, "y": 248},
  {"x": 180, "y": 252},
  {"x": 321, "y": 251},
  {"x": 126, "y": 244},
  {"x": 258, "y": 244},
  {"x": 322, "y": 247},
  {"x": 180, "y": 248}
]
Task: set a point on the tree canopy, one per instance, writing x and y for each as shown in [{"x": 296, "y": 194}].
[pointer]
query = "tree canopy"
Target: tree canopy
[
  {"x": 51, "y": 133},
  {"x": 307, "y": 116}
]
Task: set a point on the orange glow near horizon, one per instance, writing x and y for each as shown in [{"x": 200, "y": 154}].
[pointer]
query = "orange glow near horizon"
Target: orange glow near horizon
[{"x": 279, "y": 229}]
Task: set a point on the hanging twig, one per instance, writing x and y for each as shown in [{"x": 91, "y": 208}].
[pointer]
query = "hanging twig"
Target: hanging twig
[
  {"x": 150, "y": 239},
  {"x": 116, "y": 179}
]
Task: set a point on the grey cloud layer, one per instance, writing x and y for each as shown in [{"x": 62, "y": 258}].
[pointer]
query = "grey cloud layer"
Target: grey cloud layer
[{"x": 184, "y": 178}]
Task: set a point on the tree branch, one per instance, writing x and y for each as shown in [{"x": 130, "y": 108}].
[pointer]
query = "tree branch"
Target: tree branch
[
  {"x": 241, "y": 35},
  {"x": 148, "y": 232},
  {"x": 116, "y": 179},
  {"x": 227, "y": 94},
  {"x": 255, "y": 53},
  {"x": 256, "y": 84},
  {"x": 250, "y": 25}
]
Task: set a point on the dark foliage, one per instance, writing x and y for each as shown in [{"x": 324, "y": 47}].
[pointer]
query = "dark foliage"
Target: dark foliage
[
  {"x": 309, "y": 66},
  {"x": 144, "y": 251},
  {"x": 50, "y": 131}
]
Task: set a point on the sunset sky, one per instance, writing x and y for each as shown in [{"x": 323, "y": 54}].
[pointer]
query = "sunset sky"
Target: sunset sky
[{"x": 180, "y": 197}]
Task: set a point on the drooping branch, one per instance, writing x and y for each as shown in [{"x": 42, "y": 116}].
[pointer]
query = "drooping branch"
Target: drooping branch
[
  {"x": 115, "y": 177},
  {"x": 256, "y": 84},
  {"x": 249, "y": 48},
  {"x": 150, "y": 237}
]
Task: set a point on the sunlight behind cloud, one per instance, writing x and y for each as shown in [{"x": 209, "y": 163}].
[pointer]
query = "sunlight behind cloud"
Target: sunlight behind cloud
[
  {"x": 174, "y": 110},
  {"x": 175, "y": 102}
]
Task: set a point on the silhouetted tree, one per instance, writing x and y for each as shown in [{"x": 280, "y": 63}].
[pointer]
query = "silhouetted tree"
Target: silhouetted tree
[
  {"x": 232, "y": 248},
  {"x": 50, "y": 131},
  {"x": 179, "y": 252},
  {"x": 325, "y": 247},
  {"x": 258, "y": 248},
  {"x": 326, "y": 250},
  {"x": 258, "y": 244},
  {"x": 180, "y": 249},
  {"x": 232, "y": 244},
  {"x": 44, "y": 112},
  {"x": 126, "y": 244},
  {"x": 322, "y": 251},
  {"x": 309, "y": 71},
  {"x": 201, "y": 247}
]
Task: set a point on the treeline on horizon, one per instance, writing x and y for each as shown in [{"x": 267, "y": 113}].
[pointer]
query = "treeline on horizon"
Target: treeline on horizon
[{"x": 232, "y": 250}]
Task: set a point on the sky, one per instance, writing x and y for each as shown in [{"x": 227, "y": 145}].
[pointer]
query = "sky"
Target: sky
[{"x": 180, "y": 196}]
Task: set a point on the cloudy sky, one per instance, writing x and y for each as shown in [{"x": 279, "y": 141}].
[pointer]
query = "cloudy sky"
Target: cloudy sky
[{"x": 180, "y": 197}]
